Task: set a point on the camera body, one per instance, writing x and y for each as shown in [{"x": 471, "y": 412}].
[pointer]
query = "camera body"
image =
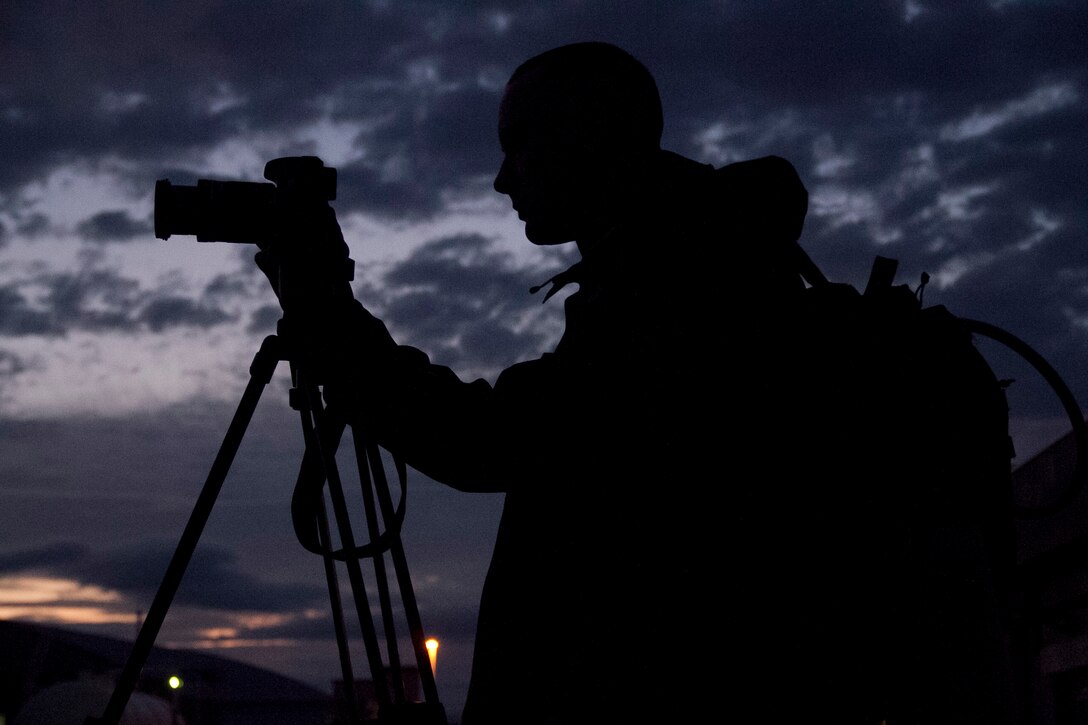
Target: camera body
[{"x": 242, "y": 211}]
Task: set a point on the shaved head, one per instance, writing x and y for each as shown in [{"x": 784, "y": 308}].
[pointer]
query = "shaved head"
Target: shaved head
[
  {"x": 578, "y": 126},
  {"x": 599, "y": 90}
]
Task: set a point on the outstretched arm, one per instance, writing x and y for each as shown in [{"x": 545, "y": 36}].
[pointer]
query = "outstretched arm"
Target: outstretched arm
[{"x": 465, "y": 434}]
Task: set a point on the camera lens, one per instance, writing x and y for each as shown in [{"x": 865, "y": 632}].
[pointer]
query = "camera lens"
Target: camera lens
[{"x": 215, "y": 211}]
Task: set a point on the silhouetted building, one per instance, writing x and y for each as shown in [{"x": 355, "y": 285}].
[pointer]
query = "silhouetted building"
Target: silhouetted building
[{"x": 1052, "y": 631}]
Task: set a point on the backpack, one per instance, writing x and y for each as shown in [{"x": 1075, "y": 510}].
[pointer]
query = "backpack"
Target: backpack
[{"x": 936, "y": 470}]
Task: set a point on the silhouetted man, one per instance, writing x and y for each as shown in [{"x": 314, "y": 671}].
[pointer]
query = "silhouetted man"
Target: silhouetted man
[
  {"x": 664, "y": 554},
  {"x": 604, "y": 597}
]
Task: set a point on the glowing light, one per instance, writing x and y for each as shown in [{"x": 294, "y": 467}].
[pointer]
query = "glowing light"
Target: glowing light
[
  {"x": 432, "y": 650},
  {"x": 174, "y": 682}
]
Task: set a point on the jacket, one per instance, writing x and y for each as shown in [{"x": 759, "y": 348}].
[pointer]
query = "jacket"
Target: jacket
[{"x": 610, "y": 451}]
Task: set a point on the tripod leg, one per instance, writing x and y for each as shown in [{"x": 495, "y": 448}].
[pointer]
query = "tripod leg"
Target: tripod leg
[
  {"x": 323, "y": 432},
  {"x": 346, "y": 671},
  {"x": 312, "y": 477},
  {"x": 327, "y": 449},
  {"x": 382, "y": 581},
  {"x": 400, "y": 565},
  {"x": 264, "y": 364}
]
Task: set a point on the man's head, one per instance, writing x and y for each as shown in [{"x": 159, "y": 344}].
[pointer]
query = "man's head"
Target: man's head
[{"x": 577, "y": 125}]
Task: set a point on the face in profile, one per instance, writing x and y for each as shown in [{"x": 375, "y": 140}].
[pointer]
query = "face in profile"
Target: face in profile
[{"x": 550, "y": 169}]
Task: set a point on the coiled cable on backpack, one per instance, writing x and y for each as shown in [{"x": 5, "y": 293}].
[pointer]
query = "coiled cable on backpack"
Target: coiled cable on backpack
[{"x": 1069, "y": 403}]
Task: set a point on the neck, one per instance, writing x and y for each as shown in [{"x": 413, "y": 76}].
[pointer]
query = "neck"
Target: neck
[{"x": 623, "y": 197}]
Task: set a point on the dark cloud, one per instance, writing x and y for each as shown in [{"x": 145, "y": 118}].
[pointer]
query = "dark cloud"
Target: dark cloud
[
  {"x": 166, "y": 312},
  {"x": 10, "y": 365},
  {"x": 226, "y": 285},
  {"x": 98, "y": 299},
  {"x": 144, "y": 84},
  {"x": 422, "y": 78},
  {"x": 34, "y": 225},
  {"x": 92, "y": 299},
  {"x": 466, "y": 302},
  {"x": 838, "y": 56},
  {"x": 17, "y": 317},
  {"x": 113, "y": 226},
  {"x": 264, "y": 319},
  {"x": 43, "y": 558},
  {"x": 430, "y": 143},
  {"x": 212, "y": 579},
  {"x": 362, "y": 188}
]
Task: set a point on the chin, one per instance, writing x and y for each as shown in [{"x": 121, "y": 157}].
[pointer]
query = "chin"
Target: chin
[{"x": 546, "y": 236}]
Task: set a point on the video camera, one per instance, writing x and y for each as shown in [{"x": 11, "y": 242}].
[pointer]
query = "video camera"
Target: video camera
[{"x": 245, "y": 212}]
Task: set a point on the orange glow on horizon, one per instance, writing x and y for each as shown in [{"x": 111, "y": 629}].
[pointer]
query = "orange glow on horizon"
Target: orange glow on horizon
[
  {"x": 42, "y": 589},
  {"x": 65, "y": 614},
  {"x": 260, "y": 620},
  {"x": 219, "y": 633},
  {"x": 53, "y": 600},
  {"x": 66, "y": 602},
  {"x": 231, "y": 643}
]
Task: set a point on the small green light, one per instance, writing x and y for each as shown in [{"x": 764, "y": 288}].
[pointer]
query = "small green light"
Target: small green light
[{"x": 174, "y": 682}]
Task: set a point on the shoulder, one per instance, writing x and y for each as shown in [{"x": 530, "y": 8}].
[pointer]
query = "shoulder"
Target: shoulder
[{"x": 526, "y": 374}]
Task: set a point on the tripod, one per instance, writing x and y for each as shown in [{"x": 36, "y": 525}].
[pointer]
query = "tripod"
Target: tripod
[
  {"x": 322, "y": 434},
  {"x": 297, "y": 284}
]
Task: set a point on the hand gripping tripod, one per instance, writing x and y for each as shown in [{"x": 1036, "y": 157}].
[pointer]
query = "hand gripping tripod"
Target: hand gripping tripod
[{"x": 293, "y": 202}]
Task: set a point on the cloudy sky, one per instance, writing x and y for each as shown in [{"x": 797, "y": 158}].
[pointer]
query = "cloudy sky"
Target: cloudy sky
[{"x": 948, "y": 135}]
